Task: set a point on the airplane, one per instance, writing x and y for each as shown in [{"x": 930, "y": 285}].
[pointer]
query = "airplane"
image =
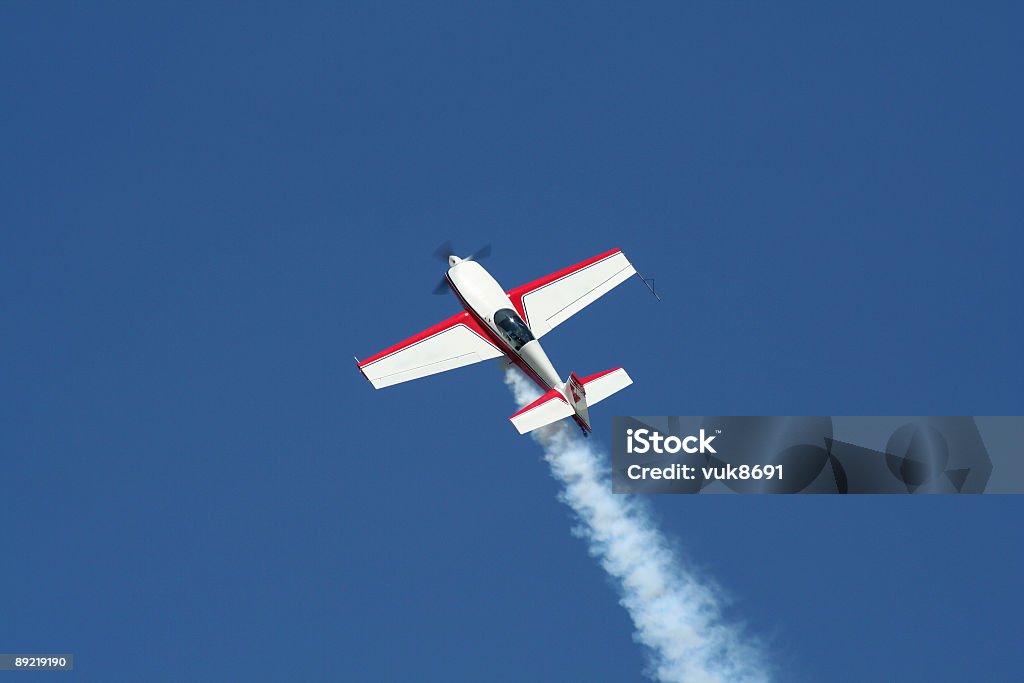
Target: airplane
[{"x": 496, "y": 323}]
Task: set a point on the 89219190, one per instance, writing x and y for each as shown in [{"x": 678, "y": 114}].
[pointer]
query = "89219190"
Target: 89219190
[{"x": 22, "y": 662}]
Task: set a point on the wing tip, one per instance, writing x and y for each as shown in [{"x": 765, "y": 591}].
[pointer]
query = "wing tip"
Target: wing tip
[{"x": 359, "y": 366}]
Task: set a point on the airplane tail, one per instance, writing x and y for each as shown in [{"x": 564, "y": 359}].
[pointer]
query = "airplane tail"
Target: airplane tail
[
  {"x": 573, "y": 399},
  {"x": 576, "y": 395}
]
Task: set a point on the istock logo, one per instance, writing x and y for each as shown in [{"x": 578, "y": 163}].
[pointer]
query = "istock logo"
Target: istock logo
[{"x": 650, "y": 441}]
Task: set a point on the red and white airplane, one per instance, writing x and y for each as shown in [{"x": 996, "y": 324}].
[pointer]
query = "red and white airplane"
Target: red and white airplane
[{"x": 497, "y": 323}]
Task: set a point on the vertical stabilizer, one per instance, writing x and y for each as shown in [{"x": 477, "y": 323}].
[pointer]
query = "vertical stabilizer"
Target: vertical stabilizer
[{"x": 576, "y": 395}]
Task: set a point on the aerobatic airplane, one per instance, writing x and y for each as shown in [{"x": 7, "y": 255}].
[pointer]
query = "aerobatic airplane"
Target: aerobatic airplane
[{"x": 497, "y": 323}]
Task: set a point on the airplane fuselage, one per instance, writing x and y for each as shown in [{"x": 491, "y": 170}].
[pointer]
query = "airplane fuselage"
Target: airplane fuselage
[{"x": 487, "y": 302}]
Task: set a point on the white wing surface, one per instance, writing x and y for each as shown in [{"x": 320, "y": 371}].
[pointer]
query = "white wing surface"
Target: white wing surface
[
  {"x": 551, "y": 300},
  {"x": 453, "y": 343},
  {"x": 549, "y": 408}
]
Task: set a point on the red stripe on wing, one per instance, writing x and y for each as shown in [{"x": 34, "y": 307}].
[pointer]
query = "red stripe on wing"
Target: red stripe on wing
[
  {"x": 552, "y": 395},
  {"x": 462, "y": 318},
  {"x": 517, "y": 294},
  {"x": 591, "y": 378}
]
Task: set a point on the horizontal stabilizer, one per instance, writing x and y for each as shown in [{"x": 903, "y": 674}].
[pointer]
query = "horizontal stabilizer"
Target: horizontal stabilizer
[
  {"x": 604, "y": 384},
  {"x": 549, "y": 408}
]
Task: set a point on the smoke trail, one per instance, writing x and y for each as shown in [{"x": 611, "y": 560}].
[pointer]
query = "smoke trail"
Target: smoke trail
[{"x": 675, "y": 615}]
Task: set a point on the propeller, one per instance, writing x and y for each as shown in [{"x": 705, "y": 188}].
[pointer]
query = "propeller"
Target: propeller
[
  {"x": 480, "y": 254},
  {"x": 446, "y": 250}
]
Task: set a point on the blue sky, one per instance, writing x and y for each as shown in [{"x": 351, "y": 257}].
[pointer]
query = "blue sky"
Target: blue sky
[{"x": 207, "y": 211}]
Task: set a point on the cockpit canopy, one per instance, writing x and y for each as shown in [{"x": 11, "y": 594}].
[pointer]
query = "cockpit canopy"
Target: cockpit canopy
[{"x": 513, "y": 328}]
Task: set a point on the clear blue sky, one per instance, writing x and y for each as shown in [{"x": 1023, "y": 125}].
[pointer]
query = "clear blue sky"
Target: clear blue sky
[{"x": 207, "y": 211}]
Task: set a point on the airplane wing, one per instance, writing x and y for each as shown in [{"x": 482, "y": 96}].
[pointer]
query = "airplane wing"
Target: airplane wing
[
  {"x": 450, "y": 344},
  {"x": 552, "y": 300}
]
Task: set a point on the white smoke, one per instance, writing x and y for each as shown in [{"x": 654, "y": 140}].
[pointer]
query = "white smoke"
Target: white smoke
[{"x": 676, "y": 615}]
